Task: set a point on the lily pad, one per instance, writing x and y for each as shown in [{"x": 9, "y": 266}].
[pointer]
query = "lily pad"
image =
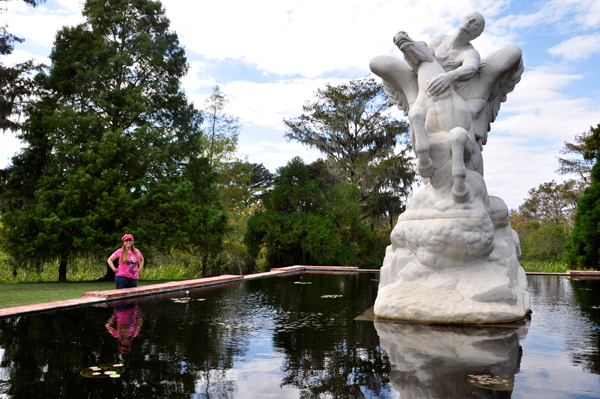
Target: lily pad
[
  {"x": 331, "y": 296},
  {"x": 186, "y": 300},
  {"x": 487, "y": 381},
  {"x": 103, "y": 371}
]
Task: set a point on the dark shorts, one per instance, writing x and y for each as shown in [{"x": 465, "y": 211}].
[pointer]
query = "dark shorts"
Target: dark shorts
[{"x": 125, "y": 282}]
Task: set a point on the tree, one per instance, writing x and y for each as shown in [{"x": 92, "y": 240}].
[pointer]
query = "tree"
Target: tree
[
  {"x": 349, "y": 124},
  {"x": 583, "y": 246},
  {"x": 550, "y": 203},
  {"x": 585, "y": 156},
  {"x": 113, "y": 145},
  {"x": 221, "y": 130},
  {"x": 310, "y": 217}
]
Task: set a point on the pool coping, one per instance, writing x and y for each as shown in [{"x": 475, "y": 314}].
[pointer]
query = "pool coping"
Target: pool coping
[
  {"x": 98, "y": 298},
  {"x": 102, "y": 297}
]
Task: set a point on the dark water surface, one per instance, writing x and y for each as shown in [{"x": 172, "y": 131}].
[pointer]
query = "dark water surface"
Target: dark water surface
[{"x": 273, "y": 338}]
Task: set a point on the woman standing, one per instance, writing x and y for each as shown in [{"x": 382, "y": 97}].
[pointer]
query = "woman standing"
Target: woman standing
[{"x": 131, "y": 263}]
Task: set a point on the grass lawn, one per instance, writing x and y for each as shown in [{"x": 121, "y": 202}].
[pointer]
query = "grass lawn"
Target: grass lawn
[{"x": 19, "y": 294}]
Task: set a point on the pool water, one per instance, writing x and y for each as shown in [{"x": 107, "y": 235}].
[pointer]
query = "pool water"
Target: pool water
[{"x": 302, "y": 336}]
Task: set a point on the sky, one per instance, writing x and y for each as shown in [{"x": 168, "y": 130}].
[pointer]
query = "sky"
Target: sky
[{"x": 269, "y": 57}]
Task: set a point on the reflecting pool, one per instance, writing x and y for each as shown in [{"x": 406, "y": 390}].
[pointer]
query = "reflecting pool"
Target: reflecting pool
[{"x": 302, "y": 336}]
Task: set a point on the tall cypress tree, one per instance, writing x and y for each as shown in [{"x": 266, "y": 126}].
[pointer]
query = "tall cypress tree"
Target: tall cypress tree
[{"x": 114, "y": 145}]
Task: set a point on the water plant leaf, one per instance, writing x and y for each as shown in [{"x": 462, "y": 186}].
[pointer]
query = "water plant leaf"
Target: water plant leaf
[
  {"x": 186, "y": 300},
  {"x": 103, "y": 371},
  {"x": 487, "y": 381},
  {"x": 331, "y": 296}
]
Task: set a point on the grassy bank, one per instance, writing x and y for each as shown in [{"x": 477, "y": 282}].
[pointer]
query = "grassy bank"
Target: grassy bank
[
  {"x": 544, "y": 267},
  {"x": 89, "y": 270},
  {"x": 31, "y": 293}
]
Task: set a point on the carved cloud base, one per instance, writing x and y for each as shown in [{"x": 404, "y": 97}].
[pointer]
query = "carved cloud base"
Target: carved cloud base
[{"x": 453, "y": 263}]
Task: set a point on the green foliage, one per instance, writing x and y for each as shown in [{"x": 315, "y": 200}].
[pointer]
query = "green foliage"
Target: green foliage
[
  {"x": 532, "y": 266},
  {"x": 543, "y": 242},
  {"x": 585, "y": 150},
  {"x": 310, "y": 217},
  {"x": 550, "y": 203},
  {"x": 583, "y": 248},
  {"x": 350, "y": 124},
  {"x": 113, "y": 146}
]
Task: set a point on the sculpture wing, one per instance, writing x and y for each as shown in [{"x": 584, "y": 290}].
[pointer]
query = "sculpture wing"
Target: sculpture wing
[
  {"x": 499, "y": 83},
  {"x": 396, "y": 96}
]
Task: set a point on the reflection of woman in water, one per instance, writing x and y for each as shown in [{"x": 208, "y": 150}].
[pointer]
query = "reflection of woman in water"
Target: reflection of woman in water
[{"x": 125, "y": 324}]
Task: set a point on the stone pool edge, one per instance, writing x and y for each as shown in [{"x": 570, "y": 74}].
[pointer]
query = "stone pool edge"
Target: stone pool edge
[{"x": 98, "y": 297}]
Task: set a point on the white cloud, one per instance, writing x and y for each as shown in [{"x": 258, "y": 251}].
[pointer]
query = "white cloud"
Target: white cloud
[
  {"x": 267, "y": 104},
  {"x": 276, "y": 154},
  {"x": 11, "y": 145},
  {"x": 19, "y": 56},
  {"x": 578, "y": 48},
  {"x": 41, "y": 24},
  {"x": 311, "y": 37},
  {"x": 534, "y": 123},
  {"x": 193, "y": 81}
]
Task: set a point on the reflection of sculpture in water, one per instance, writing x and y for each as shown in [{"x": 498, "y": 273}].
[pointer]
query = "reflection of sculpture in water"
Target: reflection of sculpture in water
[
  {"x": 125, "y": 324},
  {"x": 452, "y": 258},
  {"x": 436, "y": 361}
]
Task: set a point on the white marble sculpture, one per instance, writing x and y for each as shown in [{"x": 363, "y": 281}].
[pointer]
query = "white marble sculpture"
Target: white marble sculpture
[{"x": 454, "y": 256}]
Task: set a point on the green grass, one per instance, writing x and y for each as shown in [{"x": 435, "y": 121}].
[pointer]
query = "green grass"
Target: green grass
[
  {"x": 93, "y": 269},
  {"x": 544, "y": 267},
  {"x": 29, "y": 287},
  {"x": 21, "y": 294}
]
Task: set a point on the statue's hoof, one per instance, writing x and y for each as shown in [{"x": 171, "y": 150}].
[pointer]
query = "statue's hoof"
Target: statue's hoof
[
  {"x": 460, "y": 196},
  {"x": 426, "y": 173},
  {"x": 424, "y": 162}
]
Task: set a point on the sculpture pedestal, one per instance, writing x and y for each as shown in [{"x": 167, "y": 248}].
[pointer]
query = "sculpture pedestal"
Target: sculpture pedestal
[{"x": 453, "y": 263}]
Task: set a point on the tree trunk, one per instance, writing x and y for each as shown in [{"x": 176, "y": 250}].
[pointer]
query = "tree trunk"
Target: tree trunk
[
  {"x": 109, "y": 276},
  {"x": 62, "y": 269},
  {"x": 204, "y": 264}
]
